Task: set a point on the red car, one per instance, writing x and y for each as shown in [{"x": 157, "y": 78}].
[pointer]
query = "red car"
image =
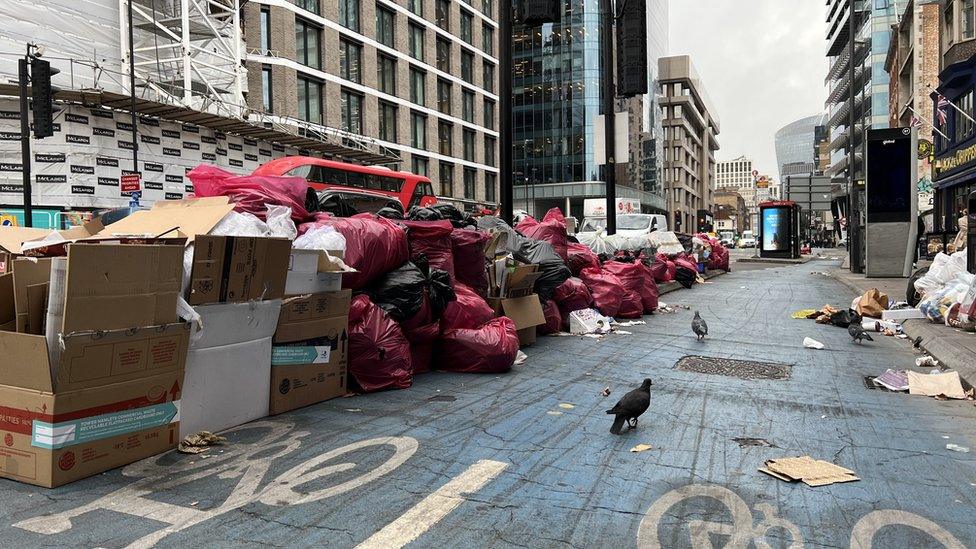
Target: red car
[{"x": 411, "y": 190}]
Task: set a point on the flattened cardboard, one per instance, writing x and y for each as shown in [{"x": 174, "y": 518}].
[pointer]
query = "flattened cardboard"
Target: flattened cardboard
[
  {"x": 12, "y": 238},
  {"x": 813, "y": 472},
  {"x": 947, "y": 383},
  {"x": 310, "y": 307},
  {"x": 114, "y": 286},
  {"x": 8, "y": 313},
  {"x": 36, "y": 308},
  {"x": 526, "y": 311},
  {"x": 27, "y": 272},
  {"x": 190, "y": 217}
]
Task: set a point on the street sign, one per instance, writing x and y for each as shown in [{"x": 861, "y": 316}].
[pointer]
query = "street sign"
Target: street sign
[{"x": 130, "y": 183}]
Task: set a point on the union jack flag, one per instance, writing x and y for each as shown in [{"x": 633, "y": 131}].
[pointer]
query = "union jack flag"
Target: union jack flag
[{"x": 940, "y": 109}]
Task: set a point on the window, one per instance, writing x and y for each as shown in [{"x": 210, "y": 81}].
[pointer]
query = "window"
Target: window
[
  {"x": 467, "y": 141},
  {"x": 266, "y": 88},
  {"x": 488, "y": 77},
  {"x": 445, "y": 131},
  {"x": 446, "y": 174},
  {"x": 418, "y": 130},
  {"x": 349, "y": 14},
  {"x": 966, "y": 13},
  {"x": 488, "y": 8},
  {"x": 442, "y": 14},
  {"x": 489, "y": 151},
  {"x": 308, "y": 39},
  {"x": 487, "y": 38},
  {"x": 443, "y": 55},
  {"x": 417, "y": 86},
  {"x": 350, "y": 61},
  {"x": 386, "y": 73},
  {"x": 309, "y": 100},
  {"x": 416, "y": 6},
  {"x": 351, "y": 104},
  {"x": 308, "y": 5},
  {"x": 384, "y": 26},
  {"x": 265, "y": 29},
  {"x": 469, "y": 177},
  {"x": 467, "y": 106},
  {"x": 467, "y": 66},
  {"x": 489, "y": 108},
  {"x": 388, "y": 121},
  {"x": 489, "y": 187},
  {"x": 416, "y": 42},
  {"x": 443, "y": 96},
  {"x": 419, "y": 165},
  {"x": 467, "y": 21},
  {"x": 947, "y": 16}
]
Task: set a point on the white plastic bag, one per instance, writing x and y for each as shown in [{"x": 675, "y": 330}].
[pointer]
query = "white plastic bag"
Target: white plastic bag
[
  {"x": 240, "y": 224},
  {"x": 323, "y": 237},
  {"x": 599, "y": 242},
  {"x": 279, "y": 222}
]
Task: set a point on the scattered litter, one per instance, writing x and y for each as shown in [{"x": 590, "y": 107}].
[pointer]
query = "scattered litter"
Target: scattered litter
[
  {"x": 664, "y": 308},
  {"x": 521, "y": 357},
  {"x": 924, "y": 361},
  {"x": 566, "y": 406},
  {"x": 957, "y": 448},
  {"x": 901, "y": 336},
  {"x": 811, "y": 343},
  {"x": 823, "y": 417},
  {"x": 641, "y": 448},
  {"x": 821, "y": 273},
  {"x": 606, "y": 391},
  {"x": 199, "y": 442},
  {"x": 623, "y": 332},
  {"x": 629, "y": 323},
  {"x": 554, "y": 413},
  {"x": 893, "y": 380},
  {"x": 589, "y": 322},
  {"x": 194, "y": 503},
  {"x": 803, "y": 314},
  {"x": 354, "y": 409},
  {"x": 748, "y": 441},
  {"x": 945, "y": 437},
  {"x": 945, "y": 384},
  {"x": 813, "y": 472}
]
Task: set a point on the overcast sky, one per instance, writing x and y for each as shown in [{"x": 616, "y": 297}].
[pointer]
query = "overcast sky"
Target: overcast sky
[{"x": 762, "y": 63}]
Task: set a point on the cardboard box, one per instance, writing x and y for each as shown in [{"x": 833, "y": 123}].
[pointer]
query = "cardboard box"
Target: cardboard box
[
  {"x": 230, "y": 269},
  {"x": 113, "y": 399},
  {"x": 314, "y": 271},
  {"x": 526, "y": 312},
  {"x": 229, "y": 365},
  {"x": 27, "y": 272},
  {"x": 8, "y": 313},
  {"x": 186, "y": 218},
  {"x": 306, "y": 374}
]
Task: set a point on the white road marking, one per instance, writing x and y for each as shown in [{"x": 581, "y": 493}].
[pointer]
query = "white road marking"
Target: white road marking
[
  {"x": 433, "y": 508},
  {"x": 862, "y": 536}
]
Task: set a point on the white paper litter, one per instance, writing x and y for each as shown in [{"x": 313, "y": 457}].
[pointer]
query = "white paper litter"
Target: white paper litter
[
  {"x": 520, "y": 358},
  {"x": 811, "y": 343}
]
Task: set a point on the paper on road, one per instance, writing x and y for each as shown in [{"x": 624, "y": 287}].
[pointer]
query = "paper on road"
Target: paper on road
[{"x": 811, "y": 343}]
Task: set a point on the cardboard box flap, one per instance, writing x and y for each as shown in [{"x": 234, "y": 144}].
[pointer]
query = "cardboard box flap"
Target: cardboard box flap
[
  {"x": 190, "y": 217},
  {"x": 87, "y": 230},
  {"x": 320, "y": 261},
  {"x": 25, "y": 362},
  {"x": 27, "y": 272},
  {"x": 522, "y": 277},
  {"x": 526, "y": 311},
  {"x": 116, "y": 286},
  {"x": 12, "y": 238}
]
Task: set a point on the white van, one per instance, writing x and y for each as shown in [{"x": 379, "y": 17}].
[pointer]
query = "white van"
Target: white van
[{"x": 628, "y": 225}]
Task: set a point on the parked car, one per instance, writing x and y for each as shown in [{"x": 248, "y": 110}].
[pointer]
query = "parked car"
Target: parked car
[
  {"x": 748, "y": 240},
  {"x": 346, "y": 203}
]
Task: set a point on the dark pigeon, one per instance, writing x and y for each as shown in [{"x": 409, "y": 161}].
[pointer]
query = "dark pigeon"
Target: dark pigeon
[
  {"x": 857, "y": 331},
  {"x": 699, "y": 327},
  {"x": 632, "y": 405}
]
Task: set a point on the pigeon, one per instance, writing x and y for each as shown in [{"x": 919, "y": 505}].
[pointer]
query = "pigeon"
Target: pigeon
[
  {"x": 632, "y": 405},
  {"x": 699, "y": 327},
  {"x": 857, "y": 330}
]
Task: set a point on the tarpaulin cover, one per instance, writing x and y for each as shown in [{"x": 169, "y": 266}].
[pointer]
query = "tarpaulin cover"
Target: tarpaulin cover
[
  {"x": 251, "y": 193},
  {"x": 551, "y": 230},
  {"x": 489, "y": 349},
  {"x": 374, "y": 245},
  {"x": 553, "y": 268},
  {"x": 468, "y": 311},
  {"x": 572, "y": 295},
  {"x": 468, "y": 247},
  {"x": 554, "y": 319},
  {"x": 413, "y": 293},
  {"x": 379, "y": 353},
  {"x": 607, "y": 290},
  {"x": 433, "y": 239},
  {"x": 631, "y": 277},
  {"x": 580, "y": 257}
]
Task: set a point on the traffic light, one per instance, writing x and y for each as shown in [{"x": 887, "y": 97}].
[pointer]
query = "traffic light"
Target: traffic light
[
  {"x": 631, "y": 48},
  {"x": 41, "y": 97},
  {"x": 537, "y": 12}
]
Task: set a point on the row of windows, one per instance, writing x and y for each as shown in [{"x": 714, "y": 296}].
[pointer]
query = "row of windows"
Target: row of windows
[
  {"x": 468, "y": 180},
  {"x": 349, "y": 18}
]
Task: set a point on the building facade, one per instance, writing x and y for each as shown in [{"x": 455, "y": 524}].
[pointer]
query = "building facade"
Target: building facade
[
  {"x": 558, "y": 71},
  {"x": 740, "y": 176},
  {"x": 691, "y": 128},
  {"x": 418, "y": 76},
  {"x": 731, "y": 213},
  {"x": 796, "y": 146}
]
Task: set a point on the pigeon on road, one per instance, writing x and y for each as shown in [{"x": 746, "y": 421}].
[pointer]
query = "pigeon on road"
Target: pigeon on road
[
  {"x": 699, "y": 327},
  {"x": 632, "y": 405},
  {"x": 857, "y": 330}
]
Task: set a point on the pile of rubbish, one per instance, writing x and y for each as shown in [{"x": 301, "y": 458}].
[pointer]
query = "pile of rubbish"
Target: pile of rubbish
[{"x": 948, "y": 292}]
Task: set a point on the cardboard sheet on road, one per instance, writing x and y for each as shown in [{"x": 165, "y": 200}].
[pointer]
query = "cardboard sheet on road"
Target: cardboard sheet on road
[
  {"x": 813, "y": 472},
  {"x": 932, "y": 385}
]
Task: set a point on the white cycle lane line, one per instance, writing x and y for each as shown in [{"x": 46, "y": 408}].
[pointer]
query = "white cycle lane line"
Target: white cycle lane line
[{"x": 433, "y": 508}]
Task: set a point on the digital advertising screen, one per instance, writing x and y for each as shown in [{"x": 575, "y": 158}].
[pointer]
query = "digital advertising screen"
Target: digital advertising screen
[
  {"x": 889, "y": 182},
  {"x": 776, "y": 229}
]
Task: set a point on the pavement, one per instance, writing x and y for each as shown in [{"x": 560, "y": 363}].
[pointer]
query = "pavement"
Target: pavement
[{"x": 525, "y": 459}]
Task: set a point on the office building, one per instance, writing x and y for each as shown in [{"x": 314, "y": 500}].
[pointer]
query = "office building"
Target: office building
[
  {"x": 796, "y": 146},
  {"x": 731, "y": 212},
  {"x": 690, "y": 130},
  {"x": 559, "y": 69},
  {"x": 738, "y": 175},
  {"x": 417, "y": 76}
]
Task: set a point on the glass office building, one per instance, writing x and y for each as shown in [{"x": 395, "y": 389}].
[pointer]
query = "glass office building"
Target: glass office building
[{"x": 796, "y": 150}]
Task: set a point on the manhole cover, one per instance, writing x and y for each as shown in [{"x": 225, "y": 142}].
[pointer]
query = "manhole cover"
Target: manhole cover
[{"x": 745, "y": 369}]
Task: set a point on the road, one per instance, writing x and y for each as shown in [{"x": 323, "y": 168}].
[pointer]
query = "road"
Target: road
[{"x": 525, "y": 459}]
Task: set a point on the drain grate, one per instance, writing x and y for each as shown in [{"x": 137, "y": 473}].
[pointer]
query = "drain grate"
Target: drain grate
[{"x": 744, "y": 369}]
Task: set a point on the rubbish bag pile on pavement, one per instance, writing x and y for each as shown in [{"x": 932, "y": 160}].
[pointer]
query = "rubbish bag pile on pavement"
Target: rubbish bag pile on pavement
[
  {"x": 259, "y": 304},
  {"x": 948, "y": 292}
]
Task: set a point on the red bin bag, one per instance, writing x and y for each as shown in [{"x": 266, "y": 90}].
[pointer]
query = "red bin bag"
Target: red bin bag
[
  {"x": 469, "y": 259},
  {"x": 490, "y": 349},
  {"x": 433, "y": 239},
  {"x": 469, "y": 310},
  {"x": 379, "y": 353},
  {"x": 608, "y": 292}
]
